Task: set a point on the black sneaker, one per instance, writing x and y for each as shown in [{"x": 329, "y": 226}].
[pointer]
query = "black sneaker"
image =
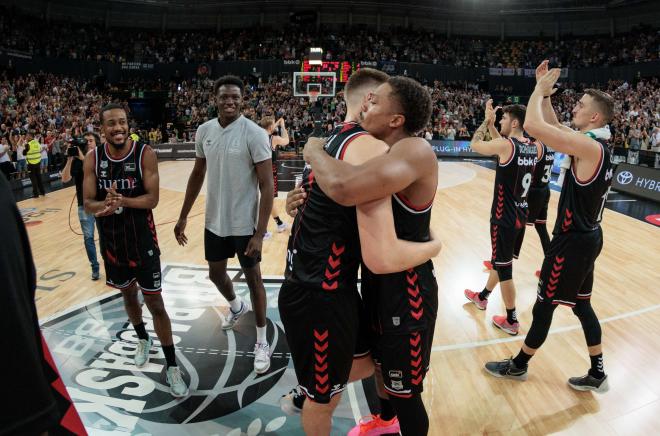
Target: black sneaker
[
  {"x": 506, "y": 369},
  {"x": 292, "y": 403},
  {"x": 589, "y": 383}
]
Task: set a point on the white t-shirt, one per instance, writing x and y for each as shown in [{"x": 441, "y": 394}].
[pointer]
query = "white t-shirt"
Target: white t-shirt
[
  {"x": 655, "y": 139},
  {"x": 4, "y": 153},
  {"x": 232, "y": 187}
]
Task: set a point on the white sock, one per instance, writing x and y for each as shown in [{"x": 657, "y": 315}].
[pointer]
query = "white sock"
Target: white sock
[
  {"x": 261, "y": 335},
  {"x": 235, "y": 304}
]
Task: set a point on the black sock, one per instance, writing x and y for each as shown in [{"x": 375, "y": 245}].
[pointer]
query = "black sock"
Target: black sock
[
  {"x": 278, "y": 221},
  {"x": 141, "y": 331},
  {"x": 299, "y": 400},
  {"x": 386, "y": 410},
  {"x": 511, "y": 316},
  {"x": 170, "y": 357},
  {"x": 521, "y": 360},
  {"x": 483, "y": 295},
  {"x": 597, "y": 370}
]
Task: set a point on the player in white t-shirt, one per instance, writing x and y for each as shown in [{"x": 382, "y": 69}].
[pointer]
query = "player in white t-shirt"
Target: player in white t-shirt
[{"x": 235, "y": 153}]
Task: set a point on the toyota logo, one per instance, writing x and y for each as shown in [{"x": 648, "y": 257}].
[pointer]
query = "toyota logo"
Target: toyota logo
[{"x": 624, "y": 177}]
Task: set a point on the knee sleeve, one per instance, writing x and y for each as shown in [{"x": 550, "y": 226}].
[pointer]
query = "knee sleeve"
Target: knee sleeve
[
  {"x": 504, "y": 272},
  {"x": 541, "y": 321},
  {"x": 589, "y": 321},
  {"x": 412, "y": 415}
]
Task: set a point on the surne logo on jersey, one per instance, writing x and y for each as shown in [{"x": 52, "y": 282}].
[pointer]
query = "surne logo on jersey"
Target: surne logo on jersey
[{"x": 122, "y": 184}]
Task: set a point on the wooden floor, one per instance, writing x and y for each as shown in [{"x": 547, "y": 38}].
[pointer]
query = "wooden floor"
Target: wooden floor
[{"x": 460, "y": 397}]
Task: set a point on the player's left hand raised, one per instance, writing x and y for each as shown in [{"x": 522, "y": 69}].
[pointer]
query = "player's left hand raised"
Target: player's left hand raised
[
  {"x": 545, "y": 84},
  {"x": 491, "y": 112},
  {"x": 253, "y": 248},
  {"x": 314, "y": 145}
]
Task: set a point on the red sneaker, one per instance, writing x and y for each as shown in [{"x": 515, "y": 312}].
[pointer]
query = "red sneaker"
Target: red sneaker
[
  {"x": 488, "y": 265},
  {"x": 474, "y": 297},
  {"x": 501, "y": 323},
  {"x": 373, "y": 426}
]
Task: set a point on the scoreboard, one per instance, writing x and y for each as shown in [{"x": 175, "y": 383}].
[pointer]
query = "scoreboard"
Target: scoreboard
[{"x": 342, "y": 69}]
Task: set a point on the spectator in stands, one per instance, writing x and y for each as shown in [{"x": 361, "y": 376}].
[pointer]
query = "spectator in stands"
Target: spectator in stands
[
  {"x": 6, "y": 167},
  {"x": 655, "y": 138},
  {"x": 56, "y": 153},
  {"x": 450, "y": 132},
  {"x": 635, "y": 137},
  {"x": 44, "y": 153},
  {"x": 21, "y": 162}
]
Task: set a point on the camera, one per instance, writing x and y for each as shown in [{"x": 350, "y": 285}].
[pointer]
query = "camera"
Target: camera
[{"x": 75, "y": 144}]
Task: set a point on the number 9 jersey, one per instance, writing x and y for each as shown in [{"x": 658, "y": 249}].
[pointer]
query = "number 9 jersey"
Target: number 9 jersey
[{"x": 513, "y": 179}]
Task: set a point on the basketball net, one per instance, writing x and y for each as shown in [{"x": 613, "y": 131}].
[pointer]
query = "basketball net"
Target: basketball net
[{"x": 313, "y": 96}]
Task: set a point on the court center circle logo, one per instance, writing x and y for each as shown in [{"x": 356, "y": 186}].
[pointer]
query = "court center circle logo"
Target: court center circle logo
[{"x": 97, "y": 345}]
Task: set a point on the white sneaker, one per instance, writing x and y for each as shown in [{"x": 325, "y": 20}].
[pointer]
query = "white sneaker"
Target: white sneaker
[
  {"x": 267, "y": 236},
  {"x": 178, "y": 387},
  {"x": 261, "y": 358},
  {"x": 282, "y": 227},
  {"x": 232, "y": 318},
  {"x": 142, "y": 353}
]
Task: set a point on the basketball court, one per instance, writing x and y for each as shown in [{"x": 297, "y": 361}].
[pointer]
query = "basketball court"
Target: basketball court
[{"x": 92, "y": 343}]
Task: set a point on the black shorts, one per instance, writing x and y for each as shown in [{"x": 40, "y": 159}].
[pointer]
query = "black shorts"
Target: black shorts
[
  {"x": 146, "y": 275},
  {"x": 567, "y": 273},
  {"x": 503, "y": 241},
  {"x": 537, "y": 206},
  {"x": 217, "y": 248},
  {"x": 322, "y": 330},
  {"x": 403, "y": 302},
  {"x": 404, "y": 360}
]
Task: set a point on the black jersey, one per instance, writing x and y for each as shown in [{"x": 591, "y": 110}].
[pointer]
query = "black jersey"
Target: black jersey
[
  {"x": 273, "y": 149},
  {"x": 543, "y": 168},
  {"x": 324, "y": 246},
  {"x": 405, "y": 301},
  {"x": 581, "y": 202},
  {"x": 513, "y": 179},
  {"x": 127, "y": 237}
]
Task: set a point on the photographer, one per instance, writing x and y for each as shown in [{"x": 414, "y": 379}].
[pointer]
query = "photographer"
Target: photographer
[{"x": 78, "y": 147}]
